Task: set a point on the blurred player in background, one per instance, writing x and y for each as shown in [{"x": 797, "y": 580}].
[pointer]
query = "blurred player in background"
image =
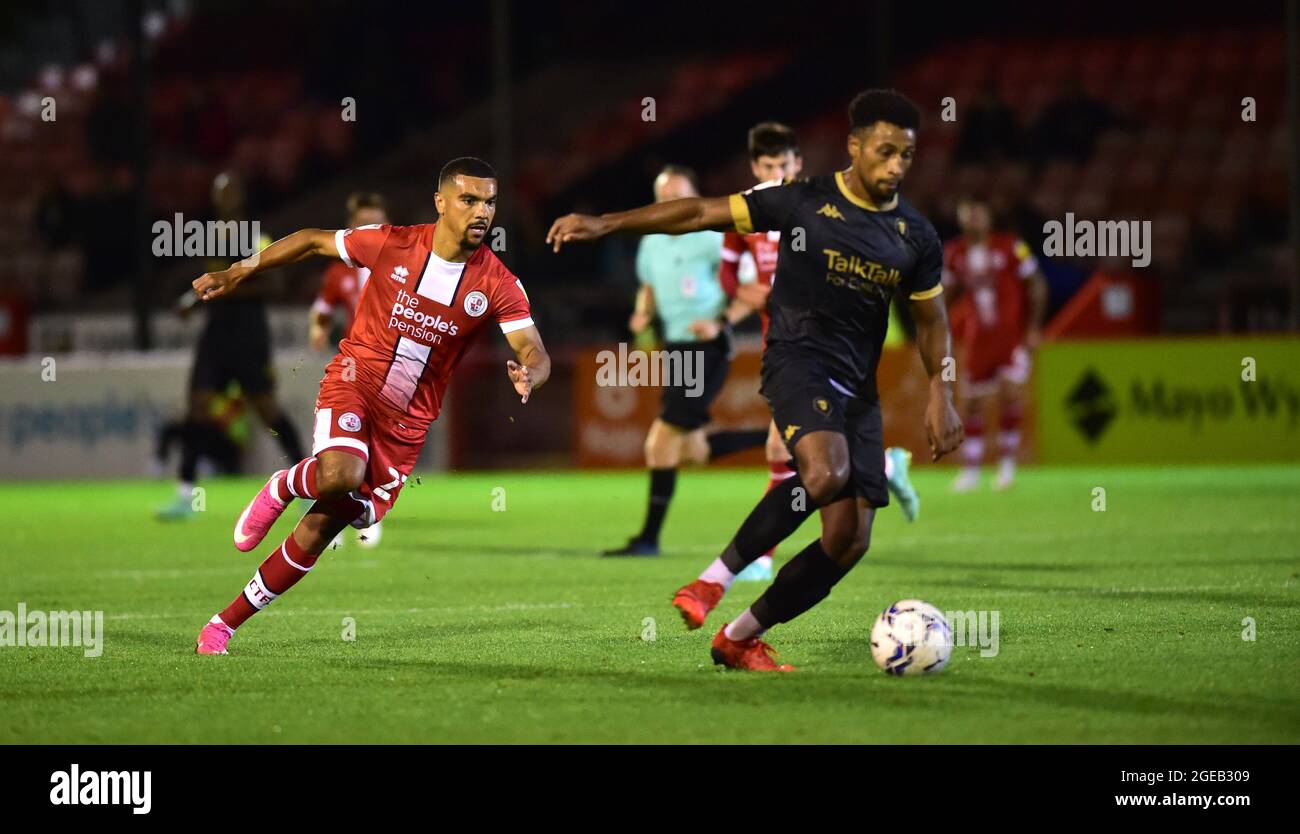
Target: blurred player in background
[
  {"x": 997, "y": 297},
  {"x": 340, "y": 290},
  {"x": 221, "y": 440},
  {"x": 829, "y": 304},
  {"x": 435, "y": 288},
  {"x": 679, "y": 284},
  {"x": 235, "y": 346},
  {"x": 748, "y": 264},
  {"x": 341, "y": 284}
]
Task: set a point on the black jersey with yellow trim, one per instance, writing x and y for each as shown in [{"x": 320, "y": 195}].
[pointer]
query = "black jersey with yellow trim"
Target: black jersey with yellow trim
[{"x": 841, "y": 261}]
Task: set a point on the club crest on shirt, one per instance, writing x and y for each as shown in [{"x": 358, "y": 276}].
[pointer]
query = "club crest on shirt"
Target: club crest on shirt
[
  {"x": 822, "y": 404},
  {"x": 349, "y": 421},
  {"x": 476, "y": 303}
]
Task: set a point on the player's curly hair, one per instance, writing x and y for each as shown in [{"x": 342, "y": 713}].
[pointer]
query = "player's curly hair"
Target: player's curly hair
[
  {"x": 771, "y": 139},
  {"x": 469, "y": 166},
  {"x": 871, "y": 106}
]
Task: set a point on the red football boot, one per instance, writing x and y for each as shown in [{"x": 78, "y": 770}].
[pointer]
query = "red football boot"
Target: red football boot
[
  {"x": 696, "y": 600},
  {"x": 752, "y": 654}
]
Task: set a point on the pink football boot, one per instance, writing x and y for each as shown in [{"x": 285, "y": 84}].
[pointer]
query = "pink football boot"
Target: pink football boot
[
  {"x": 213, "y": 639},
  {"x": 259, "y": 515}
]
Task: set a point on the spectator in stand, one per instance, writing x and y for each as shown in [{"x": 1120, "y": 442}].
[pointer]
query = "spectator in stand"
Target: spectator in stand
[
  {"x": 989, "y": 130},
  {"x": 1070, "y": 125}
]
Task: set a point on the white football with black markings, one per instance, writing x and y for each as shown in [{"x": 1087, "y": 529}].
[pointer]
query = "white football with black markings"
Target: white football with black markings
[{"x": 911, "y": 637}]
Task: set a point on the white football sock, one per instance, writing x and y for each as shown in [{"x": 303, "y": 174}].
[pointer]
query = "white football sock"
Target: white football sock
[
  {"x": 718, "y": 572},
  {"x": 744, "y": 627}
]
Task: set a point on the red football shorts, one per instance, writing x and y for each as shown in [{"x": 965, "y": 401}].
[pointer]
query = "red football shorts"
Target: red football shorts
[
  {"x": 349, "y": 421},
  {"x": 992, "y": 356}
]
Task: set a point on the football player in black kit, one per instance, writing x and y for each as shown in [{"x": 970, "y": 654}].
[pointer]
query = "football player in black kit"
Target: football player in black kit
[
  {"x": 849, "y": 242},
  {"x": 235, "y": 346}
]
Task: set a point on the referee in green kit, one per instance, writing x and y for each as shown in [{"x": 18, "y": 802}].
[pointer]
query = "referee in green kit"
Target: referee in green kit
[{"x": 679, "y": 285}]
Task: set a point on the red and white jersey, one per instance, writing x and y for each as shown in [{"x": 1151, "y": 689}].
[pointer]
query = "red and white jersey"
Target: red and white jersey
[
  {"x": 991, "y": 278},
  {"x": 761, "y": 248},
  {"x": 418, "y": 314},
  {"x": 341, "y": 288}
]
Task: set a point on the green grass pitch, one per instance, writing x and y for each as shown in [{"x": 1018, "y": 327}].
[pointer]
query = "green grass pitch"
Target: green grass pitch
[{"x": 474, "y": 625}]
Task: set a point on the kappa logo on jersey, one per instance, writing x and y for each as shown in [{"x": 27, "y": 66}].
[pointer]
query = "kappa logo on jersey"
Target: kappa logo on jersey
[
  {"x": 789, "y": 432},
  {"x": 349, "y": 421},
  {"x": 476, "y": 303},
  {"x": 399, "y": 274},
  {"x": 829, "y": 210}
]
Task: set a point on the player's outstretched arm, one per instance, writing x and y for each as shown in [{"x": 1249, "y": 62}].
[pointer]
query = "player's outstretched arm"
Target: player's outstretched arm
[
  {"x": 534, "y": 365},
  {"x": 301, "y": 244},
  {"x": 934, "y": 341},
  {"x": 672, "y": 217}
]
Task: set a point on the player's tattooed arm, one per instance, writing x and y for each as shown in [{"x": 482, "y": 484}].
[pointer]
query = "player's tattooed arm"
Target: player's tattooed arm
[
  {"x": 301, "y": 244},
  {"x": 934, "y": 341},
  {"x": 672, "y": 217},
  {"x": 534, "y": 365}
]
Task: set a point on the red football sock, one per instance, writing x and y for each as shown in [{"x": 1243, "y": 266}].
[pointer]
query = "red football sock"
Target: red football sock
[
  {"x": 1009, "y": 423},
  {"x": 280, "y": 572},
  {"x": 298, "y": 482}
]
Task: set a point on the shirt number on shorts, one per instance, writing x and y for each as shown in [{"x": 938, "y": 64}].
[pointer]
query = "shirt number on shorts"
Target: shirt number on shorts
[{"x": 382, "y": 492}]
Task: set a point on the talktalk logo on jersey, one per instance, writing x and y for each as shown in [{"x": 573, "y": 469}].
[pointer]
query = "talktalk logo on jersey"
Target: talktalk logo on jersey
[{"x": 409, "y": 320}]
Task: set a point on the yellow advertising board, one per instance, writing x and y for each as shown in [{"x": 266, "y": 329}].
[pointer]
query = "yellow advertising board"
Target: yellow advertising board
[{"x": 1169, "y": 400}]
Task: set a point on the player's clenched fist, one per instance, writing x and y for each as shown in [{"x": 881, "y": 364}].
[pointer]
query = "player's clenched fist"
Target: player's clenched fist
[
  {"x": 575, "y": 227},
  {"x": 212, "y": 285},
  {"x": 521, "y": 378},
  {"x": 943, "y": 427}
]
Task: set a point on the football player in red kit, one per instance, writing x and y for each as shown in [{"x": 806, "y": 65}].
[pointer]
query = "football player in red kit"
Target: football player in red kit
[
  {"x": 433, "y": 290},
  {"x": 997, "y": 297},
  {"x": 748, "y": 263},
  {"x": 341, "y": 285}
]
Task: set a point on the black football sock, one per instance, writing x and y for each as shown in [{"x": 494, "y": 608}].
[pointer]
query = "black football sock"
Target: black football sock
[
  {"x": 778, "y": 514},
  {"x": 287, "y": 436},
  {"x": 725, "y": 442},
  {"x": 662, "y": 484},
  {"x": 805, "y": 580}
]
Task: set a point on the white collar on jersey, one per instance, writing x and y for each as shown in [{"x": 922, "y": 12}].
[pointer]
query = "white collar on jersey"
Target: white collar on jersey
[{"x": 440, "y": 279}]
